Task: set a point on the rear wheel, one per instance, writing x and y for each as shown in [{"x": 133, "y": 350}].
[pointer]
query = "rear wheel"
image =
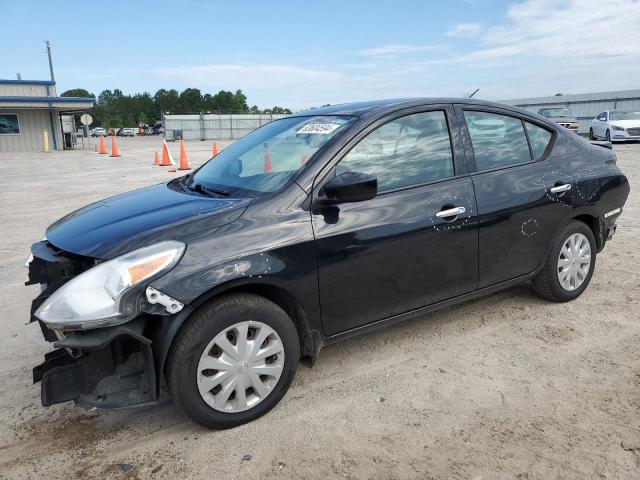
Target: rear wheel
[
  {"x": 591, "y": 135},
  {"x": 233, "y": 361},
  {"x": 568, "y": 268}
]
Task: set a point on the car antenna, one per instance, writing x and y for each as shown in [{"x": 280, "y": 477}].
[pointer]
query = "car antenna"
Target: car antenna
[{"x": 475, "y": 91}]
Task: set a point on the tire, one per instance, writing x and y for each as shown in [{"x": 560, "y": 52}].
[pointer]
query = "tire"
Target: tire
[
  {"x": 547, "y": 282},
  {"x": 608, "y": 136},
  {"x": 185, "y": 368},
  {"x": 591, "y": 135}
]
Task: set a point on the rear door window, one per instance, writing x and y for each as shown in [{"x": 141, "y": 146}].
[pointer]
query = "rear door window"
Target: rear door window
[{"x": 497, "y": 140}]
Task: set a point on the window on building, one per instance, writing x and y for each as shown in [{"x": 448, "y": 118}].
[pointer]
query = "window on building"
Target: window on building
[{"x": 9, "y": 124}]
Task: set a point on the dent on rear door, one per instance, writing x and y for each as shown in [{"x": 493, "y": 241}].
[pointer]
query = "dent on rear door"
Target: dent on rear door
[{"x": 518, "y": 215}]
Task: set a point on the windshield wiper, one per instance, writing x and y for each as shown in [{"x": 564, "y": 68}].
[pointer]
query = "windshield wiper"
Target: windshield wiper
[
  {"x": 208, "y": 190},
  {"x": 188, "y": 178}
]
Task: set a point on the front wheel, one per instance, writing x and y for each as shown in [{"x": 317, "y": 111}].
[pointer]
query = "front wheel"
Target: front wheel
[
  {"x": 568, "y": 268},
  {"x": 591, "y": 135},
  {"x": 233, "y": 361},
  {"x": 608, "y": 136}
]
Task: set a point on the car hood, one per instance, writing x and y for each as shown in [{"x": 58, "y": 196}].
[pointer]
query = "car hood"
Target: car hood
[
  {"x": 626, "y": 123},
  {"x": 119, "y": 224}
]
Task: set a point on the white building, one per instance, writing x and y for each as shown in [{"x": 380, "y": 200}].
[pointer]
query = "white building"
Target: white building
[
  {"x": 28, "y": 108},
  {"x": 584, "y": 106}
]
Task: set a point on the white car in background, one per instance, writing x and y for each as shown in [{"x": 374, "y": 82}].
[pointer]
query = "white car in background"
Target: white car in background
[
  {"x": 96, "y": 132},
  {"x": 127, "y": 132},
  {"x": 616, "y": 125}
]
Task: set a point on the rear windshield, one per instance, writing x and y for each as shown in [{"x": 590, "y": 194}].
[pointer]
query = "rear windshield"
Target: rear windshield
[{"x": 265, "y": 159}]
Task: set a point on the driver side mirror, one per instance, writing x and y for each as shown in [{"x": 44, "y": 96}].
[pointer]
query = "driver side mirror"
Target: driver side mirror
[{"x": 349, "y": 187}]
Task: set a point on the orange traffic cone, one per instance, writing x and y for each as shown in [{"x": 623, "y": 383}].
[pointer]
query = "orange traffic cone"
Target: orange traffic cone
[
  {"x": 166, "y": 156},
  {"x": 156, "y": 160},
  {"x": 215, "y": 149},
  {"x": 114, "y": 148},
  {"x": 184, "y": 163},
  {"x": 102, "y": 148},
  {"x": 267, "y": 159}
]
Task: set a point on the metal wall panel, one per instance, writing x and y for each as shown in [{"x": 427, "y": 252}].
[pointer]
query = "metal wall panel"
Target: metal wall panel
[
  {"x": 32, "y": 125},
  {"x": 26, "y": 90},
  {"x": 211, "y": 126},
  {"x": 586, "y": 106}
]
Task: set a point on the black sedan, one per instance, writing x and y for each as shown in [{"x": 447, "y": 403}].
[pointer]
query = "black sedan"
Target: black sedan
[{"x": 315, "y": 227}]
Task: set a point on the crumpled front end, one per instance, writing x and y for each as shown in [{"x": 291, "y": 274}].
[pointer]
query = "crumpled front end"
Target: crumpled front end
[{"x": 109, "y": 368}]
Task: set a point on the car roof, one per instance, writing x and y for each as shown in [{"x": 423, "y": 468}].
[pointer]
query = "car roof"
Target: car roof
[{"x": 368, "y": 107}]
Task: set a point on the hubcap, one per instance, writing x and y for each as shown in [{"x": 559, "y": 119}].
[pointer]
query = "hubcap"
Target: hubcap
[
  {"x": 240, "y": 367},
  {"x": 574, "y": 262}
]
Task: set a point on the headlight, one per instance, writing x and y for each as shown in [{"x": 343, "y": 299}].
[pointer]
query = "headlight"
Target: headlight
[
  {"x": 107, "y": 293},
  {"x": 616, "y": 127}
]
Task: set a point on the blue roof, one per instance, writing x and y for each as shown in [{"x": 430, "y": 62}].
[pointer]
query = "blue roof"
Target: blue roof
[
  {"x": 28, "y": 82},
  {"x": 48, "y": 99}
]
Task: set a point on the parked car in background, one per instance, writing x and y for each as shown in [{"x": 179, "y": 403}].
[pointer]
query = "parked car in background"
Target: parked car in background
[
  {"x": 322, "y": 225},
  {"x": 616, "y": 126},
  {"x": 157, "y": 128},
  {"x": 562, "y": 116},
  {"x": 127, "y": 132},
  {"x": 96, "y": 132}
]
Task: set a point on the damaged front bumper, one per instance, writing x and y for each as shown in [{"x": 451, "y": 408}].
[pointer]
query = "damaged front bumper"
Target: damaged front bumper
[{"x": 107, "y": 368}]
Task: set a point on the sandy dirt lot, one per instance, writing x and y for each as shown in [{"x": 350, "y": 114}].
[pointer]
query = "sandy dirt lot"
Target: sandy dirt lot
[{"x": 506, "y": 387}]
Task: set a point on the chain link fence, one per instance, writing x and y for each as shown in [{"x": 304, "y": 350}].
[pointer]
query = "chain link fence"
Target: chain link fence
[{"x": 213, "y": 126}]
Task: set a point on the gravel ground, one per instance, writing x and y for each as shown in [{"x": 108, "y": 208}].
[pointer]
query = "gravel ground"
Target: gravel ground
[{"x": 506, "y": 387}]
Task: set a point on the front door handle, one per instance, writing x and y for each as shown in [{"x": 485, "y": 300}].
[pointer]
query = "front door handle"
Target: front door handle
[
  {"x": 451, "y": 212},
  {"x": 561, "y": 188}
]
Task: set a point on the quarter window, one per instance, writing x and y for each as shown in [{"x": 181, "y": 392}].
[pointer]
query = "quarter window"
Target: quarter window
[
  {"x": 539, "y": 139},
  {"x": 497, "y": 140},
  {"x": 408, "y": 151}
]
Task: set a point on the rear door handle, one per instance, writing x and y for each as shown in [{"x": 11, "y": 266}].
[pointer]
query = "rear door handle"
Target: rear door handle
[
  {"x": 561, "y": 188},
  {"x": 451, "y": 212}
]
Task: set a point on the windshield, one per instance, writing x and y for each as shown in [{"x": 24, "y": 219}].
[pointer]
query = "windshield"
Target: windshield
[
  {"x": 557, "y": 112},
  {"x": 265, "y": 159},
  {"x": 624, "y": 115}
]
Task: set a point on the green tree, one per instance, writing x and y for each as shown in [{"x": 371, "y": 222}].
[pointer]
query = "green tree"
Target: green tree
[
  {"x": 240, "y": 102},
  {"x": 77, "y": 92},
  {"x": 142, "y": 118},
  {"x": 224, "y": 101},
  {"x": 190, "y": 101},
  {"x": 166, "y": 101},
  {"x": 115, "y": 109}
]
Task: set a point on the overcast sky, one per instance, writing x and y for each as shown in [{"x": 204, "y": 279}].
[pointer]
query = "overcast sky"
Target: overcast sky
[{"x": 300, "y": 54}]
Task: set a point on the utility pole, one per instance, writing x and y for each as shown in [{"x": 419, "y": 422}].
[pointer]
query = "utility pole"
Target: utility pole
[{"x": 50, "y": 61}]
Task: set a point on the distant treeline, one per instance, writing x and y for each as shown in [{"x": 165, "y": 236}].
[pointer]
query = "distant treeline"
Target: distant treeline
[{"x": 115, "y": 109}]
